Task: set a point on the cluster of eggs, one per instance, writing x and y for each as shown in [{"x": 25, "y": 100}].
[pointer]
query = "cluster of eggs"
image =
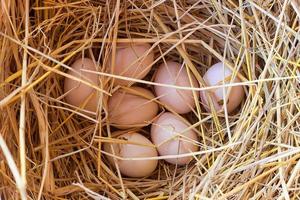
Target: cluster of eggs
[{"x": 134, "y": 106}]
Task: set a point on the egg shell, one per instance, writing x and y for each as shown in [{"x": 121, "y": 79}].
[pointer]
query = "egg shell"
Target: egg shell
[
  {"x": 215, "y": 76},
  {"x": 77, "y": 92},
  {"x": 132, "y": 108},
  {"x": 132, "y": 60},
  {"x": 165, "y": 134},
  {"x": 137, "y": 146},
  {"x": 173, "y": 73}
]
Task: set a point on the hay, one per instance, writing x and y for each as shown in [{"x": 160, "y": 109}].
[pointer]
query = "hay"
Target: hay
[{"x": 253, "y": 153}]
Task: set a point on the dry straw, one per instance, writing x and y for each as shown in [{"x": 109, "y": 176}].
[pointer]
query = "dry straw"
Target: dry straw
[{"x": 51, "y": 150}]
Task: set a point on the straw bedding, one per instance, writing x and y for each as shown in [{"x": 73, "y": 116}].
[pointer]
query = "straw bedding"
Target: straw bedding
[{"x": 50, "y": 150}]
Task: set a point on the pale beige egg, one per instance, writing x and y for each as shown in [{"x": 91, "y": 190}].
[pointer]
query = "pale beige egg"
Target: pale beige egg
[
  {"x": 133, "y": 145},
  {"x": 179, "y": 100},
  {"x": 133, "y": 61},
  {"x": 79, "y": 94},
  {"x": 134, "y": 107},
  {"x": 215, "y": 75},
  {"x": 171, "y": 136}
]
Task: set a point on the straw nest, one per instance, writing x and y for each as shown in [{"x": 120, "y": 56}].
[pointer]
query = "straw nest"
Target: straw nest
[{"x": 50, "y": 150}]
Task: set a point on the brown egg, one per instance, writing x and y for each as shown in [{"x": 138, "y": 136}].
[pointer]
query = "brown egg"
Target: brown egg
[
  {"x": 173, "y": 73},
  {"x": 171, "y": 136},
  {"x": 215, "y": 76},
  {"x": 132, "y": 60},
  {"x": 132, "y": 108},
  {"x": 77, "y": 93},
  {"x": 133, "y": 145}
]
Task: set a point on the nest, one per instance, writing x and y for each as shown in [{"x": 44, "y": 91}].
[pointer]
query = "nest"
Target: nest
[{"x": 51, "y": 151}]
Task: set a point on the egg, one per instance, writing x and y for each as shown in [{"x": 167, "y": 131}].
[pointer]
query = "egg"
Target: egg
[
  {"x": 132, "y": 108},
  {"x": 133, "y": 61},
  {"x": 76, "y": 92},
  {"x": 133, "y": 145},
  {"x": 171, "y": 137},
  {"x": 173, "y": 73},
  {"x": 215, "y": 76}
]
